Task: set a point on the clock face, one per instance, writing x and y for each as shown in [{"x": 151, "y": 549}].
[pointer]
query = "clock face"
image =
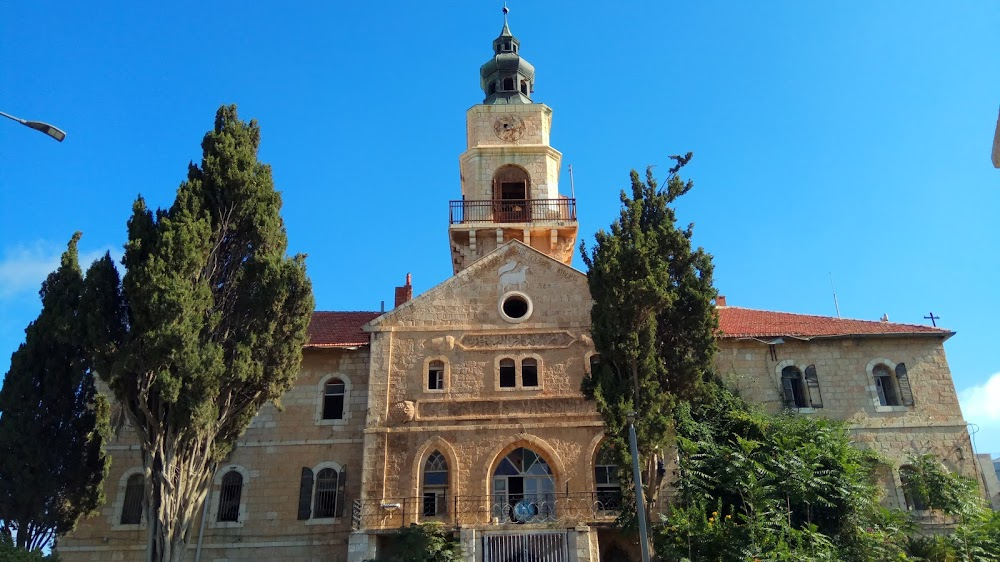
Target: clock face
[{"x": 509, "y": 127}]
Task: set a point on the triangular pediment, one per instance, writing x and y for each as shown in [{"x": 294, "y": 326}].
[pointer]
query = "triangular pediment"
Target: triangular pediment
[{"x": 473, "y": 299}]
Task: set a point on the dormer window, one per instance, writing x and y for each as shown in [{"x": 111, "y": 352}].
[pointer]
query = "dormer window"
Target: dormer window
[{"x": 506, "y": 47}]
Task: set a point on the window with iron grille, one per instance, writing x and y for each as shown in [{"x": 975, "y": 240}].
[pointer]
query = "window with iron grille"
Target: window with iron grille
[
  {"x": 325, "y": 500},
  {"x": 132, "y": 504},
  {"x": 435, "y": 375},
  {"x": 333, "y": 400},
  {"x": 609, "y": 489},
  {"x": 230, "y": 494},
  {"x": 435, "y": 494}
]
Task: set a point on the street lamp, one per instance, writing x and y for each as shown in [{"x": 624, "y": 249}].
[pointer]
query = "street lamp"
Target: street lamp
[
  {"x": 50, "y": 130},
  {"x": 640, "y": 502}
]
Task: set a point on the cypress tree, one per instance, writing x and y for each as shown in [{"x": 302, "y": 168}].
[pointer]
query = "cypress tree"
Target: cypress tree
[
  {"x": 52, "y": 422},
  {"x": 206, "y": 325},
  {"x": 652, "y": 321}
]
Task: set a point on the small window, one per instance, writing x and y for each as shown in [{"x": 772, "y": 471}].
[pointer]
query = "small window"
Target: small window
[
  {"x": 515, "y": 307},
  {"x": 325, "y": 500},
  {"x": 229, "y": 497},
  {"x": 333, "y": 400},
  {"x": 524, "y": 87},
  {"x": 493, "y": 88},
  {"x": 594, "y": 362},
  {"x": 506, "y": 47},
  {"x": 793, "y": 387},
  {"x": 508, "y": 84},
  {"x": 529, "y": 372},
  {"x": 132, "y": 505},
  {"x": 435, "y": 375},
  {"x": 885, "y": 386},
  {"x": 508, "y": 374},
  {"x": 435, "y": 498}
]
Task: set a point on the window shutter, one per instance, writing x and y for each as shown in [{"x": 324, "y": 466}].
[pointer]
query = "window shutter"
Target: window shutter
[
  {"x": 815, "y": 396},
  {"x": 305, "y": 494},
  {"x": 905, "y": 393},
  {"x": 786, "y": 384},
  {"x": 340, "y": 499}
]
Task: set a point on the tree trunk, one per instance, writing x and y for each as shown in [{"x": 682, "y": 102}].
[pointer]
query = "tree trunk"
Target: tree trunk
[{"x": 178, "y": 477}]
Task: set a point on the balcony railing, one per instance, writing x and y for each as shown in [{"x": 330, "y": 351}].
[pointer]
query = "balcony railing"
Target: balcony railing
[
  {"x": 511, "y": 509},
  {"x": 468, "y": 211}
]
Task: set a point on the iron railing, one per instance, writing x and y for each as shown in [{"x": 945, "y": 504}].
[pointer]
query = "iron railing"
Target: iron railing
[
  {"x": 511, "y": 509},
  {"x": 467, "y": 211}
]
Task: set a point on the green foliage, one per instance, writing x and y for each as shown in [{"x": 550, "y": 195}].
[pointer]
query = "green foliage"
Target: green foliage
[
  {"x": 207, "y": 324},
  {"x": 928, "y": 483},
  {"x": 11, "y": 553},
  {"x": 773, "y": 487},
  {"x": 429, "y": 542},
  {"x": 52, "y": 422},
  {"x": 653, "y": 322}
]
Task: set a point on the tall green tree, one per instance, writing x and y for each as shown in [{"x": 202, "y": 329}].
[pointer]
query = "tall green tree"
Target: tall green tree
[
  {"x": 652, "y": 321},
  {"x": 52, "y": 422},
  {"x": 206, "y": 325}
]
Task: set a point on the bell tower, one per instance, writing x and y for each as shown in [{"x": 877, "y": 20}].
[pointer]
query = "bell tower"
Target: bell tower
[{"x": 510, "y": 172}]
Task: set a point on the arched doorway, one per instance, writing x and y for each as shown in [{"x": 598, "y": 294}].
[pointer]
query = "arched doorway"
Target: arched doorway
[
  {"x": 511, "y": 194},
  {"x": 524, "y": 488}
]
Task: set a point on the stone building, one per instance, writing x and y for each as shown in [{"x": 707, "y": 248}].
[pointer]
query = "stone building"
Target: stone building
[{"x": 463, "y": 405}]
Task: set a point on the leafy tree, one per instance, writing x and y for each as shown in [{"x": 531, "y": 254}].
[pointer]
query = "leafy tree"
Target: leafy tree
[
  {"x": 653, "y": 322},
  {"x": 205, "y": 327},
  {"x": 773, "y": 487},
  {"x": 11, "y": 553},
  {"x": 429, "y": 542},
  {"x": 52, "y": 422}
]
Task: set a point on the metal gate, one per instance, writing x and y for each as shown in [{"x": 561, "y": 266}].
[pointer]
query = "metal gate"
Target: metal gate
[{"x": 525, "y": 547}]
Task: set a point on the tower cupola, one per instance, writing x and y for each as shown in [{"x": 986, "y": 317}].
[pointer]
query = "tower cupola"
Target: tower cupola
[{"x": 507, "y": 78}]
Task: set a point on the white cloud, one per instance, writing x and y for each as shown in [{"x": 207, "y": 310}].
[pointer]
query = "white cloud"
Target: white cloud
[
  {"x": 24, "y": 267},
  {"x": 981, "y": 406}
]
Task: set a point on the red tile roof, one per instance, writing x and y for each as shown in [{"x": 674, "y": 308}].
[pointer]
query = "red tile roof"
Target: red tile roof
[
  {"x": 339, "y": 329},
  {"x": 737, "y": 322},
  {"x": 343, "y": 329}
]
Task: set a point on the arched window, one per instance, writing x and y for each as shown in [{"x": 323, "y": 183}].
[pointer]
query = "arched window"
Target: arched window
[
  {"x": 508, "y": 373},
  {"x": 435, "y": 375},
  {"x": 132, "y": 506},
  {"x": 914, "y": 496},
  {"x": 529, "y": 372},
  {"x": 230, "y": 494},
  {"x": 333, "y": 400},
  {"x": 794, "y": 388},
  {"x": 523, "y": 488},
  {"x": 325, "y": 499},
  {"x": 435, "y": 485},
  {"x": 608, "y": 488},
  {"x": 508, "y": 84},
  {"x": 511, "y": 191}
]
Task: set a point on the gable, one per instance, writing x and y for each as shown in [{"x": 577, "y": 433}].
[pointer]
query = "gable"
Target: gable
[{"x": 555, "y": 295}]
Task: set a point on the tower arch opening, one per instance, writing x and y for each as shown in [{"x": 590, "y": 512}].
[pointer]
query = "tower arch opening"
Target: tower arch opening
[{"x": 512, "y": 194}]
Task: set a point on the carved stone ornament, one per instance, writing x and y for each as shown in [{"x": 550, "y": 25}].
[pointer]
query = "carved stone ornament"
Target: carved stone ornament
[
  {"x": 512, "y": 277},
  {"x": 538, "y": 340},
  {"x": 441, "y": 343},
  {"x": 404, "y": 411}
]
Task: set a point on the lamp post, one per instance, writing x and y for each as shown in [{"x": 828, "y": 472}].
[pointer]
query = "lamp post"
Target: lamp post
[
  {"x": 640, "y": 502},
  {"x": 50, "y": 130}
]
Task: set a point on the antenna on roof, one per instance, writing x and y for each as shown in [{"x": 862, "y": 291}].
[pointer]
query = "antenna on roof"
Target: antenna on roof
[
  {"x": 572, "y": 186},
  {"x": 835, "y": 303}
]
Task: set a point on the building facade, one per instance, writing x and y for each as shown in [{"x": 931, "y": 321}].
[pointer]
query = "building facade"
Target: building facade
[{"x": 463, "y": 405}]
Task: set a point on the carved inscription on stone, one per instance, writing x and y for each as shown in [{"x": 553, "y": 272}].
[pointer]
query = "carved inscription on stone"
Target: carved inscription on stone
[
  {"x": 508, "y": 409},
  {"x": 542, "y": 340}
]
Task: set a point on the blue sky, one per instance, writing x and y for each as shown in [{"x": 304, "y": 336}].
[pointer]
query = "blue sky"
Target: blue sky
[{"x": 847, "y": 138}]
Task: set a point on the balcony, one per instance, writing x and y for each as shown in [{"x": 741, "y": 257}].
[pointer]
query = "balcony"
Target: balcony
[
  {"x": 493, "y": 211},
  {"x": 513, "y": 509}
]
